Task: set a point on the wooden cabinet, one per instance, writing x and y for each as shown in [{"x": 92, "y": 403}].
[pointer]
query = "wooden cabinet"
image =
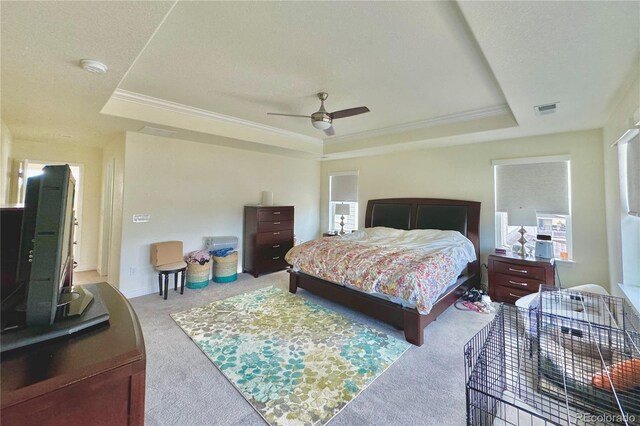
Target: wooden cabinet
[
  {"x": 96, "y": 376},
  {"x": 268, "y": 236},
  {"x": 511, "y": 276}
]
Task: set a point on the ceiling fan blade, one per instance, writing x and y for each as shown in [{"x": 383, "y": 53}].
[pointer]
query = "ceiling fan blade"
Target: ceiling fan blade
[
  {"x": 329, "y": 131},
  {"x": 348, "y": 112},
  {"x": 289, "y": 115}
]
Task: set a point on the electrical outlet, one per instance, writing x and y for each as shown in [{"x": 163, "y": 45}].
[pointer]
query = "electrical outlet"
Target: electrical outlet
[{"x": 132, "y": 271}]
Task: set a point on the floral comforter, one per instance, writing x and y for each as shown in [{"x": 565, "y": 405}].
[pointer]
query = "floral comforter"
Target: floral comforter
[{"x": 413, "y": 266}]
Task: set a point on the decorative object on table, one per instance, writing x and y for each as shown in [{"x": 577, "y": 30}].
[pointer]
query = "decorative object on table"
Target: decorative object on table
[
  {"x": 512, "y": 276},
  {"x": 522, "y": 217},
  {"x": 306, "y": 376},
  {"x": 342, "y": 210},
  {"x": 267, "y": 198},
  {"x": 198, "y": 269},
  {"x": 268, "y": 236},
  {"x": 544, "y": 247},
  {"x": 167, "y": 258},
  {"x": 568, "y": 355},
  {"x": 330, "y": 234}
]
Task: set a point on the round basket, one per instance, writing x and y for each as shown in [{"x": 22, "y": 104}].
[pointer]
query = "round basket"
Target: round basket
[
  {"x": 198, "y": 275},
  {"x": 225, "y": 269}
]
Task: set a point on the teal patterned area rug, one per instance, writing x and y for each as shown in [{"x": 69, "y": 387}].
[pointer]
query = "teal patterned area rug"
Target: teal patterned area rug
[{"x": 296, "y": 362}]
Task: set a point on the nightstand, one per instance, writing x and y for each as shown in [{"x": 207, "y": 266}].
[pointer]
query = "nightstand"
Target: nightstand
[
  {"x": 329, "y": 234},
  {"x": 511, "y": 276}
]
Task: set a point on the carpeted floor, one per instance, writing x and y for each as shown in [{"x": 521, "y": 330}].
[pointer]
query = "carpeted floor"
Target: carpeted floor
[{"x": 424, "y": 387}]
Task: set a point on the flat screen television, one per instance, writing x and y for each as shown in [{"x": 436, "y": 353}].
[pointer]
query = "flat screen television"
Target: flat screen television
[{"x": 45, "y": 304}]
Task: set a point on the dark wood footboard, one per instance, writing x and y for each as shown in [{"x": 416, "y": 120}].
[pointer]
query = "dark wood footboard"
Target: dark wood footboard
[{"x": 409, "y": 320}]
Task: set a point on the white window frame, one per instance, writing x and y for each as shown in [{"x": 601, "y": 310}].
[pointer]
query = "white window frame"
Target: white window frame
[
  {"x": 332, "y": 204},
  {"x": 500, "y": 217}
]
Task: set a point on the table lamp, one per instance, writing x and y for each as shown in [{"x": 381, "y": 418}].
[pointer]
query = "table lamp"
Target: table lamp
[
  {"x": 522, "y": 217},
  {"x": 342, "y": 210}
]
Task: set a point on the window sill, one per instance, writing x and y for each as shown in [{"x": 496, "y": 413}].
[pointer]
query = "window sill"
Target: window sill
[
  {"x": 565, "y": 262},
  {"x": 632, "y": 293}
]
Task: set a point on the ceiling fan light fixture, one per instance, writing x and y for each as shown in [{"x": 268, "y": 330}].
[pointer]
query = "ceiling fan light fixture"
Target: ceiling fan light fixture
[{"x": 321, "y": 125}]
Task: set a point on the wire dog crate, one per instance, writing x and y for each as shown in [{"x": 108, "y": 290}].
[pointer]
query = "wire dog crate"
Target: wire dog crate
[{"x": 572, "y": 358}]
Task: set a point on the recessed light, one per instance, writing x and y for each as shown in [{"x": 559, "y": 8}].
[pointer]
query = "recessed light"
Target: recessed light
[{"x": 93, "y": 66}]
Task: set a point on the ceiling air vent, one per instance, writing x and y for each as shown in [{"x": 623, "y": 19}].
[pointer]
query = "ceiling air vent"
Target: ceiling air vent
[
  {"x": 546, "y": 108},
  {"x": 156, "y": 131}
]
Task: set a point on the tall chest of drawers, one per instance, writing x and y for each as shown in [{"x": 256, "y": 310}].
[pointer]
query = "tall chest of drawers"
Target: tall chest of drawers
[
  {"x": 268, "y": 236},
  {"x": 511, "y": 276}
]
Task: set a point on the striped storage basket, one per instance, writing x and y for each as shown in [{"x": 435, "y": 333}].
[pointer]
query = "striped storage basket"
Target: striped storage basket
[
  {"x": 198, "y": 275},
  {"x": 225, "y": 269}
]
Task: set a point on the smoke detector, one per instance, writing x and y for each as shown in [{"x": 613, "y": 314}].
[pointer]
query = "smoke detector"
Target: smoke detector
[
  {"x": 93, "y": 66},
  {"x": 546, "y": 108}
]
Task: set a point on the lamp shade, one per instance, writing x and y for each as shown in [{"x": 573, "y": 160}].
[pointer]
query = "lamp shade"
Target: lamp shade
[
  {"x": 342, "y": 209},
  {"x": 522, "y": 217}
]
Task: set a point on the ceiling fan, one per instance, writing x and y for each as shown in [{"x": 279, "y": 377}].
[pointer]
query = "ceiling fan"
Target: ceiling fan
[{"x": 322, "y": 119}]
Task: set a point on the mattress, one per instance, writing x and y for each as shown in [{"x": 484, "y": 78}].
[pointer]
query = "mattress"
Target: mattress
[{"x": 411, "y": 268}]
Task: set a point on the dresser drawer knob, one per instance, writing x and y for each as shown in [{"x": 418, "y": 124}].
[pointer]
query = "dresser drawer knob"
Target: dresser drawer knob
[
  {"x": 276, "y": 258},
  {"x": 276, "y": 212},
  {"x": 276, "y": 246},
  {"x": 522, "y": 271},
  {"x": 276, "y": 223},
  {"x": 517, "y": 283},
  {"x": 276, "y": 233},
  {"x": 514, "y": 295}
]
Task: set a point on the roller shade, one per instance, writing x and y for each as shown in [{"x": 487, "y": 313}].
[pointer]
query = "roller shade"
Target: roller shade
[
  {"x": 633, "y": 176},
  {"x": 542, "y": 186},
  {"x": 344, "y": 187}
]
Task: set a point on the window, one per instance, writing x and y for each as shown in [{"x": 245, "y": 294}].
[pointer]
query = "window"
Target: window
[
  {"x": 542, "y": 184},
  {"x": 629, "y": 159},
  {"x": 629, "y": 168},
  {"x": 343, "y": 189}
]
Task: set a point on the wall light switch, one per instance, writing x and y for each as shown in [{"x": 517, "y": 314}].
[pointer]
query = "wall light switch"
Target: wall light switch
[{"x": 141, "y": 218}]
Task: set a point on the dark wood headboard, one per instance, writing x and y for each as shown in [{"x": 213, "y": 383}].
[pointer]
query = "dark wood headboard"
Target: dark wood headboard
[{"x": 428, "y": 213}]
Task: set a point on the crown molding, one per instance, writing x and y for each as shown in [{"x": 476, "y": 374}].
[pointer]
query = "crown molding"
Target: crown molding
[
  {"x": 423, "y": 124},
  {"x": 138, "y": 98}
]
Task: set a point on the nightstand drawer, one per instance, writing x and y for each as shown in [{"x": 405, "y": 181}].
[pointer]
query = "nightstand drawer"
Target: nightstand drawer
[
  {"x": 275, "y": 214},
  {"x": 507, "y": 294},
  {"x": 527, "y": 284},
  {"x": 528, "y": 271},
  {"x": 277, "y": 225}
]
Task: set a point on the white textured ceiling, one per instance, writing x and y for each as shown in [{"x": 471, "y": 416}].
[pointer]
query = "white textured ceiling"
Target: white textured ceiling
[
  {"x": 46, "y": 96},
  {"x": 427, "y": 70},
  {"x": 402, "y": 60},
  {"x": 575, "y": 53}
]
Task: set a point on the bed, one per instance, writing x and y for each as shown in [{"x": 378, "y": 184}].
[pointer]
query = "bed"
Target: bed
[{"x": 406, "y": 214}]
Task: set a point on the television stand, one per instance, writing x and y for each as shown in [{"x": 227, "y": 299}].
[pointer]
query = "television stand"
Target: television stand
[
  {"x": 78, "y": 309},
  {"x": 96, "y": 376}
]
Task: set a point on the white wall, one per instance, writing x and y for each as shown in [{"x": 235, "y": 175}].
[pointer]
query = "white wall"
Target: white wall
[
  {"x": 91, "y": 158},
  {"x": 193, "y": 190},
  {"x": 465, "y": 172},
  {"x": 5, "y": 162},
  {"x": 623, "y": 231}
]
